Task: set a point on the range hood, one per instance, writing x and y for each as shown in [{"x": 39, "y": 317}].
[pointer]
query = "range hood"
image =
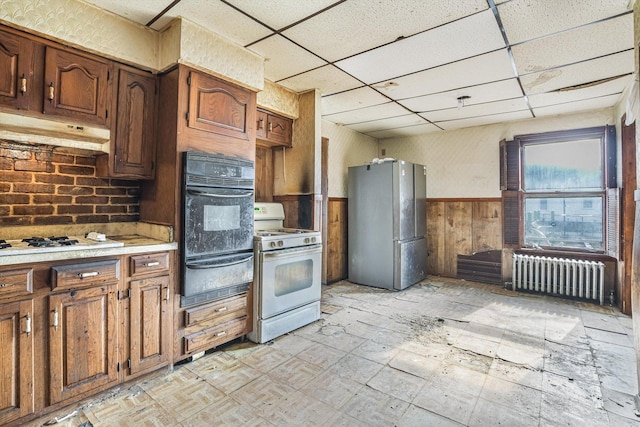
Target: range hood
[{"x": 27, "y": 129}]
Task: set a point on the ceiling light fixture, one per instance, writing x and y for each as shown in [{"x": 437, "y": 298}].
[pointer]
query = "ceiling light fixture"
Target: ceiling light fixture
[{"x": 462, "y": 99}]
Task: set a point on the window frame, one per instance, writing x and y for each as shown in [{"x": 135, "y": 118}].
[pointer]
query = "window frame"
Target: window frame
[{"x": 514, "y": 195}]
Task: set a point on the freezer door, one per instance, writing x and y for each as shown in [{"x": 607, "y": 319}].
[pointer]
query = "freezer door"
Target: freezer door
[
  {"x": 411, "y": 263},
  {"x": 370, "y": 207},
  {"x": 420, "y": 197},
  {"x": 404, "y": 221}
]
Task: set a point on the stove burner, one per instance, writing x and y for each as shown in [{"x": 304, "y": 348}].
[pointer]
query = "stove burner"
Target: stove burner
[
  {"x": 41, "y": 242},
  {"x": 67, "y": 242}
]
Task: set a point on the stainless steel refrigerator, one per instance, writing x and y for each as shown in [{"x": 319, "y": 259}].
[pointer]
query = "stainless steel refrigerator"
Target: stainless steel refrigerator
[{"x": 387, "y": 224}]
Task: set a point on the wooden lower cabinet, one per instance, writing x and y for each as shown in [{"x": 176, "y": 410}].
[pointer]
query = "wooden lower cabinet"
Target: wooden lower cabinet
[
  {"x": 69, "y": 330},
  {"x": 212, "y": 324},
  {"x": 16, "y": 361},
  {"x": 149, "y": 329},
  {"x": 82, "y": 341}
]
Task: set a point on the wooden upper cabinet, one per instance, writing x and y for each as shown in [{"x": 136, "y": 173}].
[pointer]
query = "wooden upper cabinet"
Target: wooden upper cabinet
[
  {"x": 273, "y": 130},
  {"x": 16, "y": 70},
  {"x": 219, "y": 107},
  {"x": 76, "y": 86},
  {"x": 133, "y": 147}
]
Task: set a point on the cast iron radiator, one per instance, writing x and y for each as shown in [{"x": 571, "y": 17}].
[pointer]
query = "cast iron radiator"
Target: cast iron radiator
[{"x": 558, "y": 276}]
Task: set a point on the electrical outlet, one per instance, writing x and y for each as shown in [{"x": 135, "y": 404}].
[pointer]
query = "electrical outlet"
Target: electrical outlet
[{"x": 383, "y": 152}]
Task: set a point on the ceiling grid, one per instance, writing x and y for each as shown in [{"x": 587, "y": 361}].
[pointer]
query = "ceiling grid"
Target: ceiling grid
[{"x": 395, "y": 67}]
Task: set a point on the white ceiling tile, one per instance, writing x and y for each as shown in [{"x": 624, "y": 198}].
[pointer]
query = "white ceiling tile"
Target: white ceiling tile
[
  {"x": 389, "y": 123},
  {"x": 485, "y": 120},
  {"x": 280, "y": 13},
  {"x": 327, "y": 79},
  {"x": 583, "y": 105},
  {"x": 498, "y": 107},
  {"x": 283, "y": 58},
  {"x": 528, "y": 19},
  {"x": 376, "y": 112},
  {"x": 358, "y": 25},
  {"x": 217, "y": 17},
  {"x": 464, "y": 38},
  {"x": 591, "y": 41},
  {"x": 581, "y": 73},
  {"x": 489, "y": 92},
  {"x": 477, "y": 70},
  {"x": 351, "y": 100},
  {"x": 405, "y": 131},
  {"x": 140, "y": 11},
  {"x": 616, "y": 86}
]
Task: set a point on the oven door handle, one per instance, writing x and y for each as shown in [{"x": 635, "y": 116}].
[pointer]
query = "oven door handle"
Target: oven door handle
[
  {"x": 292, "y": 252},
  {"x": 208, "y": 194},
  {"x": 202, "y": 266}
]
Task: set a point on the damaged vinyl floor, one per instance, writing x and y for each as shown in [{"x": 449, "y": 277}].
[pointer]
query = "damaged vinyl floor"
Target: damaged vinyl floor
[{"x": 440, "y": 353}]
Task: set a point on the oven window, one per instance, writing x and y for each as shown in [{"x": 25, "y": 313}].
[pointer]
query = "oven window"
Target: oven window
[
  {"x": 293, "y": 277},
  {"x": 219, "y": 218}
]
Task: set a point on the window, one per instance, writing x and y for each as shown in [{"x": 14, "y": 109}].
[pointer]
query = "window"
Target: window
[{"x": 555, "y": 187}]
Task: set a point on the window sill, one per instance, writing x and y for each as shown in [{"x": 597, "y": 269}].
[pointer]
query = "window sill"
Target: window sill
[{"x": 591, "y": 256}]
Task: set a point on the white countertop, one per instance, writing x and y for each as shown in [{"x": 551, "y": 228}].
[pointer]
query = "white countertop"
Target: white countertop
[{"x": 155, "y": 238}]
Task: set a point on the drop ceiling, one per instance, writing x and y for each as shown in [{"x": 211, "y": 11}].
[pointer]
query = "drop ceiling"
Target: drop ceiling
[{"x": 390, "y": 68}]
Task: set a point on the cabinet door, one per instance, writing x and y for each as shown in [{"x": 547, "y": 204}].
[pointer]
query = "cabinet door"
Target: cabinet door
[
  {"x": 16, "y": 70},
  {"x": 261, "y": 124},
  {"x": 16, "y": 361},
  {"x": 82, "y": 341},
  {"x": 218, "y": 107},
  {"x": 149, "y": 324},
  {"x": 76, "y": 86},
  {"x": 135, "y": 125},
  {"x": 279, "y": 130}
]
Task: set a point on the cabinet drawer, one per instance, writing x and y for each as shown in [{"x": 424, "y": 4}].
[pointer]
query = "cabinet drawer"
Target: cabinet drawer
[
  {"x": 215, "y": 336},
  {"x": 85, "y": 274},
  {"x": 148, "y": 263},
  {"x": 218, "y": 311},
  {"x": 16, "y": 282}
]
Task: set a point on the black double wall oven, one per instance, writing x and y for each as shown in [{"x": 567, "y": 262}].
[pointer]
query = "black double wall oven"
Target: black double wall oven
[{"x": 217, "y": 235}]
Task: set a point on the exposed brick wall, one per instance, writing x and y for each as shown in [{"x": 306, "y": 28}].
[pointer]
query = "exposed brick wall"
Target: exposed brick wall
[{"x": 41, "y": 186}]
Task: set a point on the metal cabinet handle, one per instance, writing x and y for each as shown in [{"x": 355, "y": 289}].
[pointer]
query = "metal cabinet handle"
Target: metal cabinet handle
[
  {"x": 220, "y": 334},
  {"x": 89, "y": 274},
  {"x": 27, "y": 326},
  {"x": 221, "y": 309},
  {"x": 4, "y": 285},
  {"x": 23, "y": 84},
  {"x": 270, "y": 127},
  {"x": 152, "y": 264},
  {"x": 55, "y": 319},
  {"x": 166, "y": 295},
  {"x": 260, "y": 124},
  {"x": 51, "y": 91}
]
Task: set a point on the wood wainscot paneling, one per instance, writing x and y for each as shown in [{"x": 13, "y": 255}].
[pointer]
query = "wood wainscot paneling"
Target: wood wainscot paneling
[
  {"x": 264, "y": 174},
  {"x": 337, "y": 239},
  {"x": 298, "y": 210},
  {"x": 461, "y": 227}
]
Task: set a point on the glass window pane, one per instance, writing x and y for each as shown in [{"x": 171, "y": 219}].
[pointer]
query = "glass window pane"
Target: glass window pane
[
  {"x": 563, "y": 166},
  {"x": 567, "y": 222}
]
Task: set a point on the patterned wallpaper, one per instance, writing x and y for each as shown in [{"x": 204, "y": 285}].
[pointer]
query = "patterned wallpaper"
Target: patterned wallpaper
[
  {"x": 279, "y": 100},
  {"x": 465, "y": 163},
  {"x": 295, "y": 169},
  {"x": 209, "y": 52},
  {"x": 346, "y": 148}
]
